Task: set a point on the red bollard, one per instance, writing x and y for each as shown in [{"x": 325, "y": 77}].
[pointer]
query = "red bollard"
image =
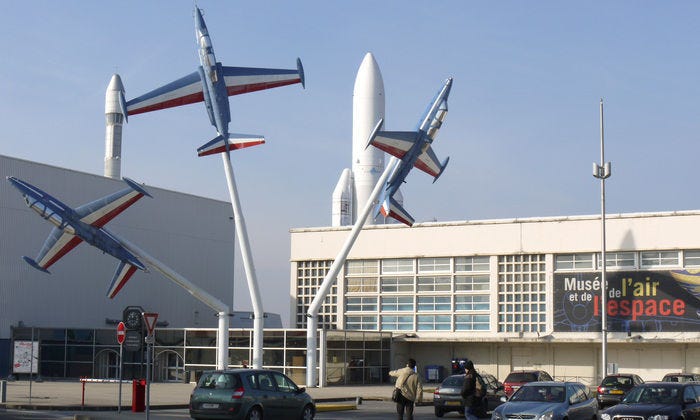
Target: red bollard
[{"x": 138, "y": 395}]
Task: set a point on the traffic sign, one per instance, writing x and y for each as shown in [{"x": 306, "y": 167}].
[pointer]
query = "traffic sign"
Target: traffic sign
[
  {"x": 150, "y": 319},
  {"x": 133, "y": 341},
  {"x": 121, "y": 333}
]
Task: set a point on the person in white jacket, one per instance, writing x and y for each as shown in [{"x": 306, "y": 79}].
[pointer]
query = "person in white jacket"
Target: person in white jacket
[{"x": 408, "y": 382}]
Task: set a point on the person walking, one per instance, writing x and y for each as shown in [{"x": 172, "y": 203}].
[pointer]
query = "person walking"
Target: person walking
[
  {"x": 410, "y": 389},
  {"x": 472, "y": 402}
]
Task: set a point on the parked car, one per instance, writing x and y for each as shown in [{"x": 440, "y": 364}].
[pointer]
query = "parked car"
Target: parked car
[
  {"x": 681, "y": 377},
  {"x": 516, "y": 379},
  {"x": 447, "y": 396},
  {"x": 658, "y": 400},
  {"x": 612, "y": 388},
  {"x": 249, "y": 394},
  {"x": 549, "y": 400}
]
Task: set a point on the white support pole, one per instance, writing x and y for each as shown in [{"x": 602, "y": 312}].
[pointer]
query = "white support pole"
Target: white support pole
[
  {"x": 247, "y": 263},
  {"x": 315, "y": 306},
  {"x": 198, "y": 293}
]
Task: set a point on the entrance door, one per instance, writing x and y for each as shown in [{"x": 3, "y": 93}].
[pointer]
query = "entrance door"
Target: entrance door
[{"x": 169, "y": 367}]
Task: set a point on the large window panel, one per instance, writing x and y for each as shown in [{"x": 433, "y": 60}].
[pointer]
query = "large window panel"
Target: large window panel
[
  {"x": 471, "y": 322},
  {"x": 397, "y": 323},
  {"x": 434, "y": 284},
  {"x": 397, "y": 284},
  {"x": 434, "y": 323},
  {"x": 434, "y": 303},
  {"x": 468, "y": 264},
  {"x": 397, "y": 266},
  {"x": 434, "y": 265},
  {"x": 472, "y": 283},
  {"x": 472, "y": 302},
  {"x": 397, "y": 303}
]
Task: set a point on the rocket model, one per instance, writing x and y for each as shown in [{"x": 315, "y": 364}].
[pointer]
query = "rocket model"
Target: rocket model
[
  {"x": 114, "y": 118},
  {"x": 356, "y": 184}
]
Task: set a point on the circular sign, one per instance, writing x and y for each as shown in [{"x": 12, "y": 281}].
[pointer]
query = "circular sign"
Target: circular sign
[{"x": 121, "y": 333}]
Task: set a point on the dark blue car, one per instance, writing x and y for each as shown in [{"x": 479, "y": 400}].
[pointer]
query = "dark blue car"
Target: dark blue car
[{"x": 658, "y": 400}]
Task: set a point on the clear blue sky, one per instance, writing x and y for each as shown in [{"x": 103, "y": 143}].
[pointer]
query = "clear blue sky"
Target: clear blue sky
[{"x": 522, "y": 130}]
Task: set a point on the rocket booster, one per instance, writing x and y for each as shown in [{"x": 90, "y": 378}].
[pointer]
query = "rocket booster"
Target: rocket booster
[
  {"x": 114, "y": 119},
  {"x": 356, "y": 184}
]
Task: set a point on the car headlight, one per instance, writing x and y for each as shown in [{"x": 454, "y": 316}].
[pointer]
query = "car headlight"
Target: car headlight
[
  {"x": 605, "y": 416},
  {"x": 659, "y": 417},
  {"x": 547, "y": 416},
  {"x": 496, "y": 416}
]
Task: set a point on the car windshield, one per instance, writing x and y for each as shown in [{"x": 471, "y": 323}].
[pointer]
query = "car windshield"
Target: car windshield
[
  {"x": 657, "y": 394},
  {"x": 617, "y": 381},
  {"x": 453, "y": 382},
  {"x": 678, "y": 378},
  {"x": 542, "y": 393},
  {"x": 218, "y": 380},
  {"x": 521, "y": 377}
]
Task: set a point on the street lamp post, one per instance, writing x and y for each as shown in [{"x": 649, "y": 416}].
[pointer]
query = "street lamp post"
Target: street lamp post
[{"x": 602, "y": 172}]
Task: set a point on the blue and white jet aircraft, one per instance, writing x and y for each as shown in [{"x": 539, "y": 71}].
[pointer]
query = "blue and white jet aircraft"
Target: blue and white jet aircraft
[
  {"x": 413, "y": 148},
  {"x": 213, "y": 83},
  {"x": 84, "y": 223}
]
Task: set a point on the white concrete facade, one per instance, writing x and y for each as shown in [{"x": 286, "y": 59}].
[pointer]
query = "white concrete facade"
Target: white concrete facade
[{"x": 518, "y": 293}]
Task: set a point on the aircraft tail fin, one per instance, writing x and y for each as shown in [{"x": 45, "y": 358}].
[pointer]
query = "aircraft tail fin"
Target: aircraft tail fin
[
  {"x": 391, "y": 208},
  {"x": 35, "y": 265},
  {"x": 234, "y": 142},
  {"x": 121, "y": 276}
]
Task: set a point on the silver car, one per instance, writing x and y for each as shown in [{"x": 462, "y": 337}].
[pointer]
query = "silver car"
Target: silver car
[{"x": 549, "y": 400}]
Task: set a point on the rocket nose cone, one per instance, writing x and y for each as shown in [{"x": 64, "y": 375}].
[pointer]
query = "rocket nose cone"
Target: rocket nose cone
[
  {"x": 115, "y": 84},
  {"x": 369, "y": 77}
]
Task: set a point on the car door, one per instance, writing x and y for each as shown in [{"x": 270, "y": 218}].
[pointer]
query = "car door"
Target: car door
[
  {"x": 290, "y": 402},
  {"x": 691, "y": 402},
  {"x": 581, "y": 405},
  {"x": 268, "y": 395}
]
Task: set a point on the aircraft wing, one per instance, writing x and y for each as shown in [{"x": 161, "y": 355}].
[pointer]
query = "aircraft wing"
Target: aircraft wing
[
  {"x": 241, "y": 80},
  {"x": 396, "y": 143},
  {"x": 429, "y": 163},
  {"x": 101, "y": 211},
  {"x": 58, "y": 244},
  {"x": 186, "y": 90}
]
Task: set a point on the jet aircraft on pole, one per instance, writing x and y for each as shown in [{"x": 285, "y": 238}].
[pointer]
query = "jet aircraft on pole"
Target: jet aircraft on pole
[{"x": 414, "y": 149}]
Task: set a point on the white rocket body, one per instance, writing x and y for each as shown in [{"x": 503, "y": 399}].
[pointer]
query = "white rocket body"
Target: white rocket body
[
  {"x": 113, "y": 132},
  {"x": 356, "y": 185}
]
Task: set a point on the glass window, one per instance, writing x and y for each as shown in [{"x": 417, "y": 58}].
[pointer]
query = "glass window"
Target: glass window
[
  {"x": 397, "y": 266},
  {"x": 434, "y": 303},
  {"x": 434, "y": 284},
  {"x": 359, "y": 267},
  {"x": 521, "y": 297},
  {"x": 361, "y": 322},
  {"x": 472, "y": 283},
  {"x": 472, "y": 302},
  {"x": 432, "y": 265},
  {"x": 397, "y": 303},
  {"x": 361, "y": 304},
  {"x": 397, "y": 323},
  {"x": 617, "y": 259},
  {"x": 573, "y": 262},
  {"x": 434, "y": 323},
  {"x": 659, "y": 258},
  {"x": 691, "y": 258},
  {"x": 361, "y": 284},
  {"x": 397, "y": 284},
  {"x": 471, "y": 322},
  {"x": 472, "y": 264}
]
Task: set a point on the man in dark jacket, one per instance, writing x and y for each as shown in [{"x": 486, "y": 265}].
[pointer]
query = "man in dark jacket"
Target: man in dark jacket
[{"x": 471, "y": 400}]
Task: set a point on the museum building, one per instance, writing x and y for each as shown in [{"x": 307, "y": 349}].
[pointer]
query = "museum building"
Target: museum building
[{"x": 517, "y": 293}]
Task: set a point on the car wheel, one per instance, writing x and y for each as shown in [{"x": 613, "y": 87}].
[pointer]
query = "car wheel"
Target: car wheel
[
  {"x": 255, "y": 413},
  {"x": 439, "y": 412},
  {"x": 308, "y": 413}
]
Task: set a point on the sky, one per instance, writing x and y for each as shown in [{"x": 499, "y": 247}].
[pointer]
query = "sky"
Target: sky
[{"x": 522, "y": 131}]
